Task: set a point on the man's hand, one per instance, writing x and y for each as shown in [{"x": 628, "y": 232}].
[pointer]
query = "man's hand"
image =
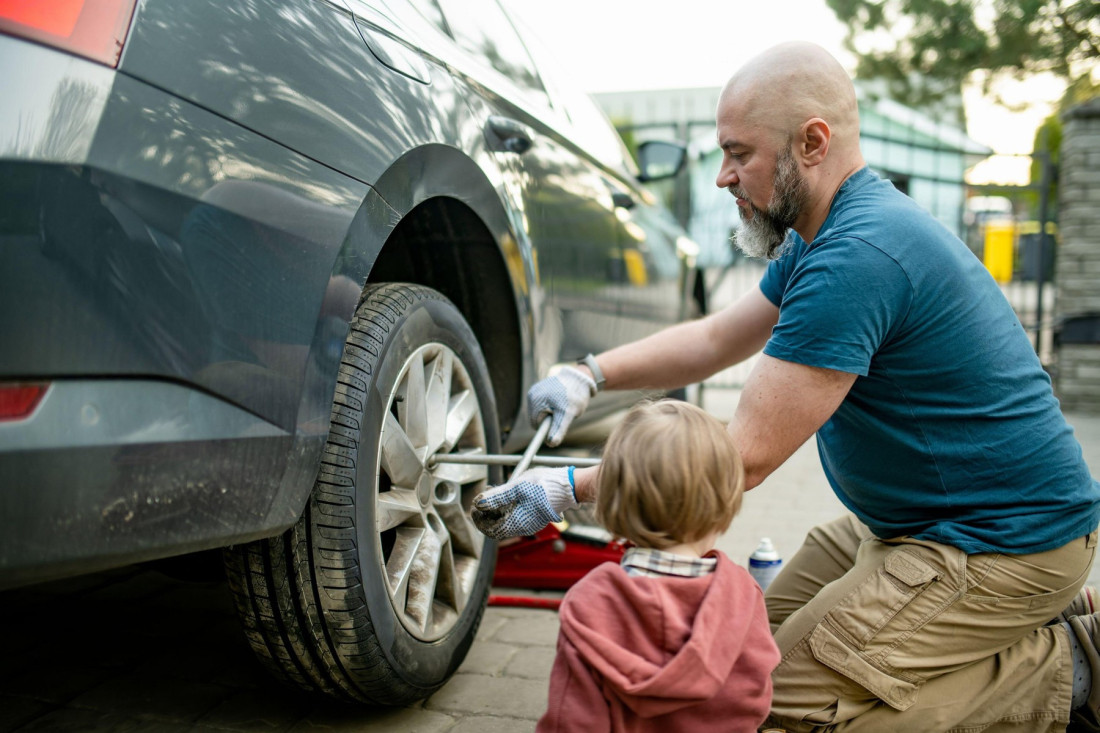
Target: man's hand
[
  {"x": 564, "y": 396},
  {"x": 524, "y": 505}
]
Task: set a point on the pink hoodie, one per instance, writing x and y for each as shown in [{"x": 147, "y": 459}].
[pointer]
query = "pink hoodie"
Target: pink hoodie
[{"x": 662, "y": 654}]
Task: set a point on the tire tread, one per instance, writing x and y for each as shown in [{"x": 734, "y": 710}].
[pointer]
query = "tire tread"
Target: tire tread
[{"x": 299, "y": 597}]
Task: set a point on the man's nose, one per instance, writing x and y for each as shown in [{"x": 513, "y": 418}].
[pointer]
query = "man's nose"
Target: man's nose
[{"x": 726, "y": 177}]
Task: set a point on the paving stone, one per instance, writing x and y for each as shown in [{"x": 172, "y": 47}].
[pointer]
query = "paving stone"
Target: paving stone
[
  {"x": 488, "y": 658},
  {"x": 41, "y": 679},
  {"x": 75, "y": 720},
  {"x": 16, "y": 711},
  {"x": 92, "y": 638},
  {"x": 341, "y": 719},
  {"x": 159, "y": 697},
  {"x": 485, "y": 724},
  {"x": 531, "y": 663},
  {"x": 499, "y": 696},
  {"x": 259, "y": 710},
  {"x": 189, "y": 659},
  {"x": 533, "y": 628},
  {"x": 491, "y": 623}
]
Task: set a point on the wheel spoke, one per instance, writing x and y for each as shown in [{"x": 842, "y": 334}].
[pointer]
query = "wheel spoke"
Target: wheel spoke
[
  {"x": 465, "y": 538},
  {"x": 448, "y": 590},
  {"x": 399, "y": 459},
  {"x": 399, "y": 565},
  {"x": 461, "y": 410},
  {"x": 423, "y": 575},
  {"x": 413, "y": 409},
  {"x": 466, "y": 571},
  {"x": 439, "y": 376},
  {"x": 395, "y": 507},
  {"x": 460, "y": 473}
]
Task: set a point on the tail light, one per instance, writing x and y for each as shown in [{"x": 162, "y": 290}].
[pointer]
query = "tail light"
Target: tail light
[
  {"x": 17, "y": 401},
  {"x": 95, "y": 29}
]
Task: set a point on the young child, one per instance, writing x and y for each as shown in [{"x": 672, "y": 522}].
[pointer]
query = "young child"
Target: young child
[{"x": 675, "y": 637}]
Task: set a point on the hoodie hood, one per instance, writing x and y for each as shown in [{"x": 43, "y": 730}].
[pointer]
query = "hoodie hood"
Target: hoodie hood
[{"x": 660, "y": 644}]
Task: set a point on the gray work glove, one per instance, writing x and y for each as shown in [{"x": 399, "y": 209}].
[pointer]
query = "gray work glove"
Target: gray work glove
[
  {"x": 565, "y": 396},
  {"x": 526, "y": 504}
]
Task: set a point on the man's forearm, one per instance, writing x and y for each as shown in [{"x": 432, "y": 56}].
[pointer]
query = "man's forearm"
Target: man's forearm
[{"x": 691, "y": 351}]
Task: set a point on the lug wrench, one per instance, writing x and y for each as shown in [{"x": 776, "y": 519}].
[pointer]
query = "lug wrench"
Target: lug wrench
[{"x": 521, "y": 462}]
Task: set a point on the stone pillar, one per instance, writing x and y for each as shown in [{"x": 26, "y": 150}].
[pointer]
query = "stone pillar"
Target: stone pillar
[{"x": 1077, "y": 273}]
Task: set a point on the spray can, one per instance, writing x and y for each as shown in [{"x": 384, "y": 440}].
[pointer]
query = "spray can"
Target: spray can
[{"x": 765, "y": 563}]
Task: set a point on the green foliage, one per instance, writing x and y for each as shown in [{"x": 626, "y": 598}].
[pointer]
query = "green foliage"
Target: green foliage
[{"x": 924, "y": 49}]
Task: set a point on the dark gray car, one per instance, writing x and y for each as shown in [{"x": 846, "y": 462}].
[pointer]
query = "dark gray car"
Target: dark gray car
[{"x": 260, "y": 262}]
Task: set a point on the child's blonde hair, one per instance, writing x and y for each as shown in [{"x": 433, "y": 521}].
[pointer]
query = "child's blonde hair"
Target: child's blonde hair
[{"x": 670, "y": 474}]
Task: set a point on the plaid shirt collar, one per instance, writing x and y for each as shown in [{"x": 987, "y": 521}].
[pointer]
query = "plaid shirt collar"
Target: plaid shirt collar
[{"x": 650, "y": 563}]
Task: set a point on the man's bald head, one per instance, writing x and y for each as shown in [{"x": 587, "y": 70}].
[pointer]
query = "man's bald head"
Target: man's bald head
[{"x": 790, "y": 83}]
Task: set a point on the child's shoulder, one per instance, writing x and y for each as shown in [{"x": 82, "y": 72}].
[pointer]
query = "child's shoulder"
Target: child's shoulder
[{"x": 606, "y": 579}]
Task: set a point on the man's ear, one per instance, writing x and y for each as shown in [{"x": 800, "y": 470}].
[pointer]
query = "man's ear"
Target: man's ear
[{"x": 813, "y": 143}]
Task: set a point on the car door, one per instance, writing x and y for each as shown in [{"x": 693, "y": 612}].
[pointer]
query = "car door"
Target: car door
[
  {"x": 653, "y": 264},
  {"x": 560, "y": 197}
]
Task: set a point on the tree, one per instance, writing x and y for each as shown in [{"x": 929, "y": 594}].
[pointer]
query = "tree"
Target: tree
[
  {"x": 1048, "y": 138},
  {"x": 924, "y": 50}
]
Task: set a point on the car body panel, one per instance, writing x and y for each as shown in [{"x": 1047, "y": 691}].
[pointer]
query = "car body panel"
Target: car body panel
[
  {"x": 183, "y": 242},
  {"x": 109, "y": 472}
]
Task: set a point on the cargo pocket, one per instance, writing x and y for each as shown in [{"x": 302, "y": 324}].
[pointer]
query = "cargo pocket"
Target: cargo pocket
[
  {"x": 830, "y": 650},
  {"x": 881, "y": 597}
]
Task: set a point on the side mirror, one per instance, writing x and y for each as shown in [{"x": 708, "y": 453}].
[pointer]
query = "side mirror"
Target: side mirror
[{"x": 658, "y": 160}]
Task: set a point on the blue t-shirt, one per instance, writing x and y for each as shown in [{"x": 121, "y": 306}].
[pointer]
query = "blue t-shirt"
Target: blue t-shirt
[{"x": 951, "y": 431}]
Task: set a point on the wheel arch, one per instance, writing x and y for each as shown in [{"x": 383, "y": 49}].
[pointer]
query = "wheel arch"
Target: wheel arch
[
  {"x": 444, "y": 245},
  {"x": 432, "y": 219},
  {"x": 450, "y": 232}
]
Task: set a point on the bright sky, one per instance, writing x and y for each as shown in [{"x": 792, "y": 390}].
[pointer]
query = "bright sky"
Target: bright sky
[{"x": 623, "y": 45}]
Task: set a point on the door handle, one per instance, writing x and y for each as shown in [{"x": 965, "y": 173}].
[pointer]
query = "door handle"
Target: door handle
[
  {"x": 506, "y": 135},
  {"x": 622, "y": 200}
]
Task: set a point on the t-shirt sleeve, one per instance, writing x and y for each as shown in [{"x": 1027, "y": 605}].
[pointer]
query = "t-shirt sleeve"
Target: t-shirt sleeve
[
  {"x": 839, "y": 303},
  {"x": 775, "y": 277}
]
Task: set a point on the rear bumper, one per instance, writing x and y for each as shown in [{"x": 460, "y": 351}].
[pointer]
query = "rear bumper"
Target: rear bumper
[
  {"x": 164, "y": 269},
  {"x": 109, "y": 472}
]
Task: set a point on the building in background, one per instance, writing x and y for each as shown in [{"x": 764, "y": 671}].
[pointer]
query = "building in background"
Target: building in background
[{"x": 925, "y": 158}]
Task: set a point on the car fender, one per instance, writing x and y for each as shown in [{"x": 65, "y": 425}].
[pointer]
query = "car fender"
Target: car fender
[{"x": 424, "y": 173}]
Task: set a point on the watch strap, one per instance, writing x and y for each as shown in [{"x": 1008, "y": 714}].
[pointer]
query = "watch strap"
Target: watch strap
[{"x": 597, "y": 373}]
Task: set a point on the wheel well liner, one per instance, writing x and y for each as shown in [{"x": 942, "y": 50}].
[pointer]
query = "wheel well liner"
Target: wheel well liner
[{"x": 443, "y": 244}]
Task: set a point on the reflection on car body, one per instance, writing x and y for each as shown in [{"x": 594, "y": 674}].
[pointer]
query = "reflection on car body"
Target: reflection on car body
[{"x": 260, "y": 262}]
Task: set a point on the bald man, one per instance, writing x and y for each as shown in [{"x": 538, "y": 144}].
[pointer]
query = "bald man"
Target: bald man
[{"x": 953, "y": 597}]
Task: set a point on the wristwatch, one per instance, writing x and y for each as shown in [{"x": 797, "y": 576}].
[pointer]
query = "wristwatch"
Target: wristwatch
[{"x": 597, "y": 374}]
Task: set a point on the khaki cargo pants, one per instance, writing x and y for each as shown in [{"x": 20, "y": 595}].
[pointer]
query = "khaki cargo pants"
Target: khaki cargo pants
[{"x": 889, "y": 636}]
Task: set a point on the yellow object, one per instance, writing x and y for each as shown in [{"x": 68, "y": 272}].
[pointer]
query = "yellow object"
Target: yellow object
[
  {"x": 1000, "y": 241},
  {"x": 635, "y": 267}
]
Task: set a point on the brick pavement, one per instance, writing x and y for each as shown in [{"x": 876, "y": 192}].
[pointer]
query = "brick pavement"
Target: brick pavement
[{"x": 132, "y": 650}]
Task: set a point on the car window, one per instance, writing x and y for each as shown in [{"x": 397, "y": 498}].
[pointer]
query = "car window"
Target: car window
[
  {"x": 590, "y": 127},
  {"x": 482, "y": 28},
  {"x": 593, "y": 130}
]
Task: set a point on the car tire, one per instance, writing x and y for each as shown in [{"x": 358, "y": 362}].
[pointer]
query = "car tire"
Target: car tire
[{"x": 375, "y": 594}]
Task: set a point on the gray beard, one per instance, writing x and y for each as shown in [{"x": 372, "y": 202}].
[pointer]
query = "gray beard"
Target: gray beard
[{"x": 764, "y": 234}]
